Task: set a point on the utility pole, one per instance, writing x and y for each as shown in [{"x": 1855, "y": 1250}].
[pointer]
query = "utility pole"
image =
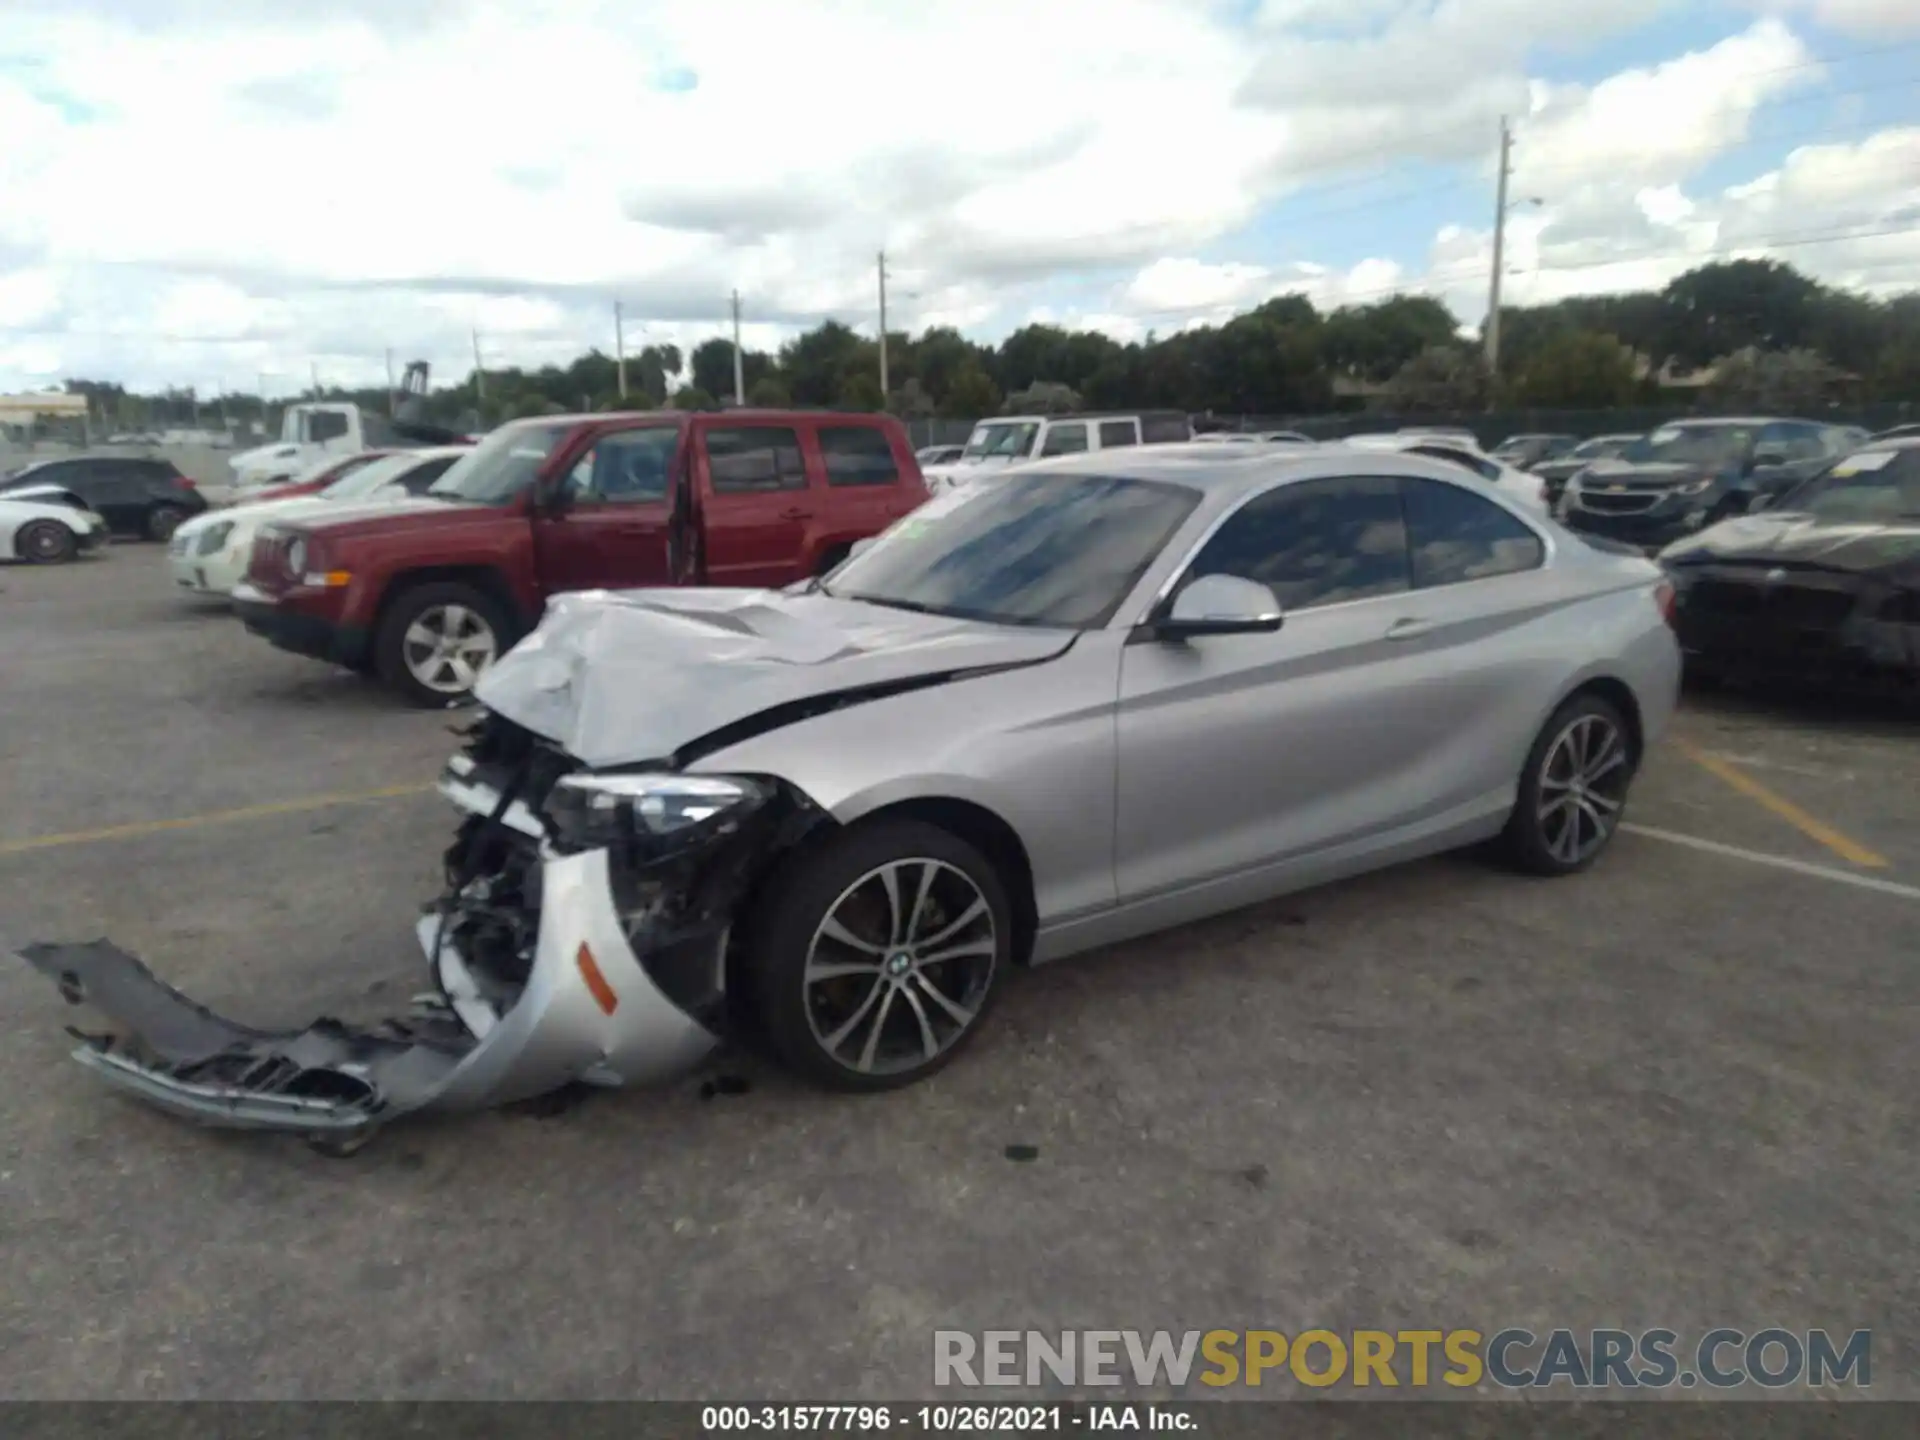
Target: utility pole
[
  {"x": 739, "y": 368},
  {"x": 393, "y": 400},
  {"x": 479, "y": 370},
  {"x": 316, "y": 378},
  {"x": 1499, "y": 250},
  {"x": 620, "y": 347},
  {"x": 884, "y": 392}
]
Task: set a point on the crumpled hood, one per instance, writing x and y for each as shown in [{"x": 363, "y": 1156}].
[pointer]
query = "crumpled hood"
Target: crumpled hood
[
  {"x": 1788, "y": 539},
  {"x": 621, "y": 677}
]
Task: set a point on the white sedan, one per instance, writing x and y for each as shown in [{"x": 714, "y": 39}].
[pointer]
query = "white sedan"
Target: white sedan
[
  {"x": 1530, "y": 490},
  {"x": 47, "y": 525},
  {"x": 209, "y": 553}
]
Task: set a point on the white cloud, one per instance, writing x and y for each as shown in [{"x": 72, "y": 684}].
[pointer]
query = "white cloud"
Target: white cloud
[
  {"x": 1870, "y": 18},
  {"x": 379, "y": 173}
]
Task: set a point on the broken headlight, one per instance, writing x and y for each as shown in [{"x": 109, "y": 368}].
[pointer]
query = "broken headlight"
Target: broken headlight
[{"x": 643, "y": 814}]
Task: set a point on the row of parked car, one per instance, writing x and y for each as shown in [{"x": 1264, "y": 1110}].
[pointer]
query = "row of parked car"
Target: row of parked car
[{"x": 424, "y": 564}]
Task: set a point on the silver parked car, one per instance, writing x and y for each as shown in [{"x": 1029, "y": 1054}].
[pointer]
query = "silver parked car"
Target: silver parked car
[{"x": 1075, "y": 703}]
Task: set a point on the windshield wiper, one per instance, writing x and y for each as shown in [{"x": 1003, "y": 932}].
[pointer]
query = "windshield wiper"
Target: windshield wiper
[{"x": 916, "y": 606}]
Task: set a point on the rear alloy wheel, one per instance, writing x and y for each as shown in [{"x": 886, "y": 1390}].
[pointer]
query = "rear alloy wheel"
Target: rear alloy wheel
[
  {"x": 46, "y": 542},
  {"x": 876, "y": 958},
  {"x": 1574, "y": 789},
  {"x": 436, "y": 642},
  {"x": 163, "y": 520}
]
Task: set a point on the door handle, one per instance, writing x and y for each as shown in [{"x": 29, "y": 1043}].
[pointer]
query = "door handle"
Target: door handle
[
  {"x": 798, "y": 512},
  {"x": 1409, "y": 627}
]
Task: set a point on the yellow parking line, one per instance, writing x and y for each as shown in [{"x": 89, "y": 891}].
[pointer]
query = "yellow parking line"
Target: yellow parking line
[
  {"x": 1841, "y": 845},
  {"x": 212, "y": 817}
]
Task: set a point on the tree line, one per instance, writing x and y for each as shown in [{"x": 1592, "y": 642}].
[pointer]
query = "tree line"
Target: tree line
[{"x": 1776, "y": 337}]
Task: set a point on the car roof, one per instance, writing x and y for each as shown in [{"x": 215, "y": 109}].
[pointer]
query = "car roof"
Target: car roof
[{"x": 1229, "y": 470}]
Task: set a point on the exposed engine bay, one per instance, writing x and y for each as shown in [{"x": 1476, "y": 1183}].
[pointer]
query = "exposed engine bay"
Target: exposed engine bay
[{"x": 583, "y": 936}]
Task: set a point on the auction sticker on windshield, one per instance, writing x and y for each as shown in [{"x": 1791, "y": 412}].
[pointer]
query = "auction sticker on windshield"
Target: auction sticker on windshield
[{"x": 1864, "y": 462}]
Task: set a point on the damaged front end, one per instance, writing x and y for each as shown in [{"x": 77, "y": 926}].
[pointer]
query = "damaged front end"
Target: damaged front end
[{"x": 583, "y": 936}]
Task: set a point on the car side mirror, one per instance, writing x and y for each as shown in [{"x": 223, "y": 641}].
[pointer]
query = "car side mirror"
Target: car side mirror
[{"x": 1221, "y": 605}]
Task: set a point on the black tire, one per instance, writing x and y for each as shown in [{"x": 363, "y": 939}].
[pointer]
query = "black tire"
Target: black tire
[
  {"x": 781, "y": 936},
  {"x": 45, "y": 542},
  {"x": 163, "y": 520},
  {"x": 394, "y": 658},
  {"x": 1535, "y": 842}
]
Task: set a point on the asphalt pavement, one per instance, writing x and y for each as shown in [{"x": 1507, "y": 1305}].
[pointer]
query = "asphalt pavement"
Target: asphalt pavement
[{"x": 1677, "y": 1091}]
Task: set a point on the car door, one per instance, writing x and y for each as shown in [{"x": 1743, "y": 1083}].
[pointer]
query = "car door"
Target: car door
[
  {"x": 1237, "y": 751},
  {"x": 609, "y": 530},
  {"x": 118, "y": 489},
  {"x": 756, "y": 501}
]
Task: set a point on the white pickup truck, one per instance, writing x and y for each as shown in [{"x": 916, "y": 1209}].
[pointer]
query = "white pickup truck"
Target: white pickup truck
[
  {"x": 307, "y": 433},
  {"x": 1014, "y": 439}
]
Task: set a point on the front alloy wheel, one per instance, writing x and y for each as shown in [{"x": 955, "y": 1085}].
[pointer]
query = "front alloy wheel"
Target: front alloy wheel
[
  {"x": 875, "y": 959},
  {"x": 436, "y": 640}
]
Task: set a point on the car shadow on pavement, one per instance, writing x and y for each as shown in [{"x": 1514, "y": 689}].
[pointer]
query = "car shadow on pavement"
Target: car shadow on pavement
[{"x": 1887, "y": 716}]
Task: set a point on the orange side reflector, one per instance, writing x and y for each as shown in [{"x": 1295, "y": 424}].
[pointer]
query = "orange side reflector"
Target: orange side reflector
[
  {"x": 597, "y": 986},
  {"x": 334, "y": 579}
]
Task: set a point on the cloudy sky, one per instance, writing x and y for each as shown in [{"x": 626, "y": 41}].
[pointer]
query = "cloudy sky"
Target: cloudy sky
[{"x": 200, "y": 192}]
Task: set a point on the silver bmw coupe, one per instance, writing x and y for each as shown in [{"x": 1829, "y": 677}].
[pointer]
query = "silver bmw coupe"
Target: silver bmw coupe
[{"x": 1061, "y": 707}]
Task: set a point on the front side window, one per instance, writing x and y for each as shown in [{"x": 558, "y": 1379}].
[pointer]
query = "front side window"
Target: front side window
[
  {"x": 755, "y": 458},
  {"x": 1321, "y": 542},
  {"x": 324, "y": 425},
  {"x": 1796, "y": 442},
  {"x": 857, "y": 455},
  {"x": 1455, "y": 535},
  {"x": 1022, "y": 549},
  {"x": 626, "y": 467},
  {"x": 1065, "y": 440}
]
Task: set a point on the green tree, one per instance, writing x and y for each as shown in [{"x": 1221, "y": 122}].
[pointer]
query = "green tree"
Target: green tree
[
  {"x": 860, "y": 389},
  {"x": 1447, "y": 379},
  {"x": 1372, "y": 342},
  {"x": 814, "y": 364},
  {"x": 971, "y": 394},
  {"x": 1774, "y": 380},
  {"x": 711, "y": 366},
  {"x": 692, "y": 397},
  {"x": 1578, "y": 370},
  {"x": 1718, "y": 309},
  {"x": 769, "y": 392}
]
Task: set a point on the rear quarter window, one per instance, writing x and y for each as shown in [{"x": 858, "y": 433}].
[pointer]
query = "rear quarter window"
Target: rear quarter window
[
  {"x": 857, "y": 455},
  {"x": 1453, "y": 535}
]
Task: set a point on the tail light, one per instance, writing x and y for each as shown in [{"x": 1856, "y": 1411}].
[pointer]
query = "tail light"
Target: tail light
[
  {"x": 182, "y": 482},
  {"x": 1665, "y": 597}
]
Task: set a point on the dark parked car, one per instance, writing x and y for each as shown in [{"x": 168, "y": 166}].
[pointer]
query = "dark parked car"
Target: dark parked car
[
  {"x": 144, "y": 498},
  {"x": 1562, "y": 468},
  {"x": 1900, "y": 432},
  {"x": 1823, "y": 588},
  {"x": 1689, "y": 475},
  {"x": 1523, "y": 452}
]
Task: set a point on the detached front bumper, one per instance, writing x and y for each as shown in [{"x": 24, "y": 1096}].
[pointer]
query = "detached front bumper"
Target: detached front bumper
[{"x": 589, "y": 1010}]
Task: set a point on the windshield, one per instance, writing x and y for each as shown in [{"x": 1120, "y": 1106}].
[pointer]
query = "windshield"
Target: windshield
[
  {"x": 502, "y": 465},
  {"x": 1868, "y": 487},
  {"x": 370, "y": 477},
  {"x": 338, "y": 469},
  {"x": 1713, "y": 445},
  {"x": 1598, "y": 449},
  {"x": 1001, "y": 442},
  {"x": 1058, "y": 550}
]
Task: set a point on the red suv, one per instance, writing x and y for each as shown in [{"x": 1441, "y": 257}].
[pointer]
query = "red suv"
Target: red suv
[{"x": 427, "y": 593}]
